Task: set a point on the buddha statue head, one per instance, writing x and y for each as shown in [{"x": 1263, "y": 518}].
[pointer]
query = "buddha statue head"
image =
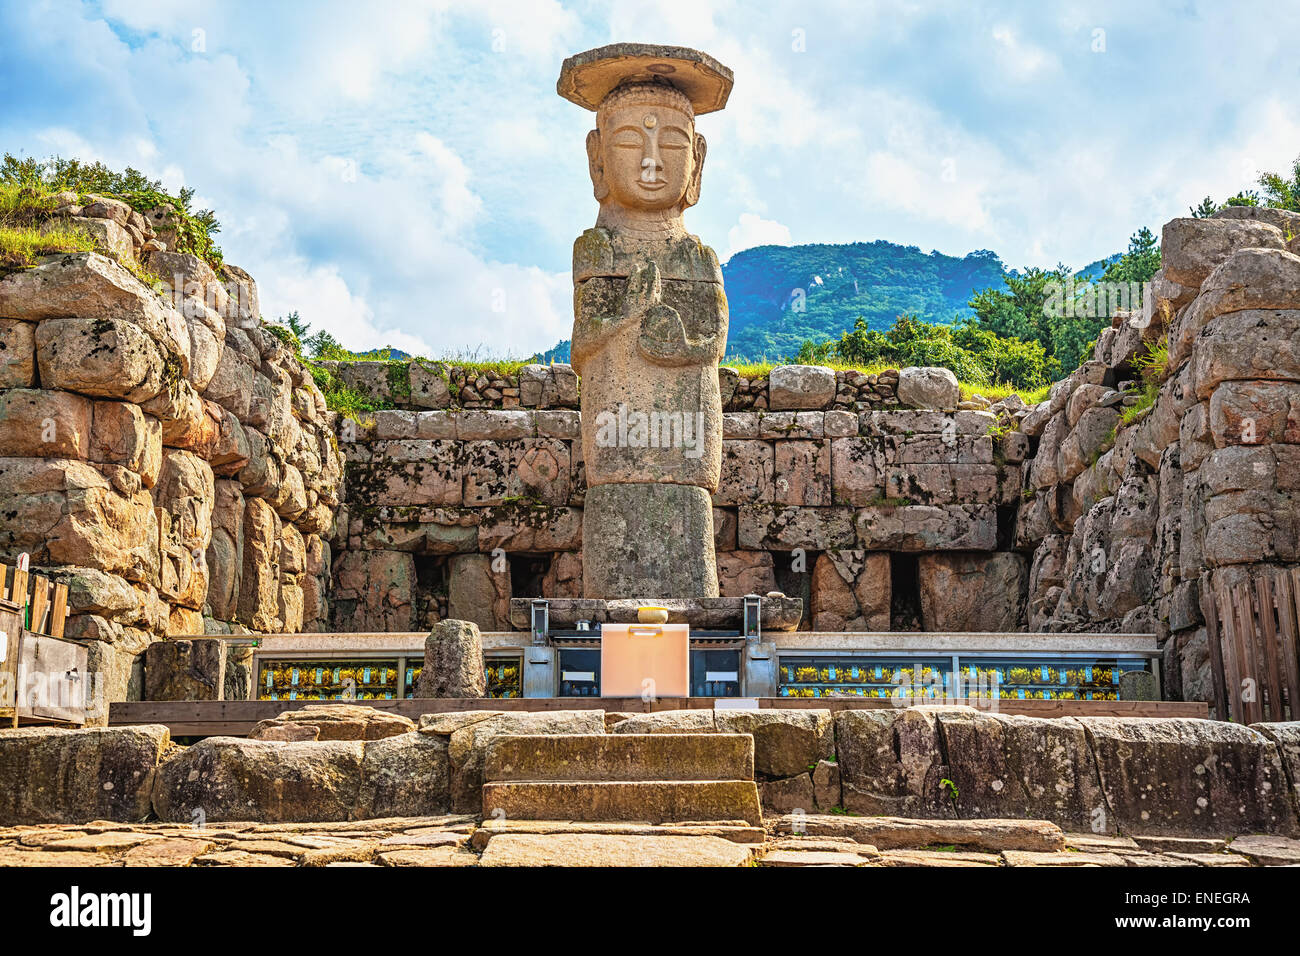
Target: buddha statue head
[{"x": 645, "y": 157}]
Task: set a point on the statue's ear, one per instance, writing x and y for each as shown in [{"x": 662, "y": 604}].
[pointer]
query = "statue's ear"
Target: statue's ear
[
  {"x": 595, "y": 166},
  {"x": 693, "y": 188}
]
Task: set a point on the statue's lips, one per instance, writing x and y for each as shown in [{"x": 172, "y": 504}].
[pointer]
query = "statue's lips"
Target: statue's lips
[{"x": 652, "y": 186}]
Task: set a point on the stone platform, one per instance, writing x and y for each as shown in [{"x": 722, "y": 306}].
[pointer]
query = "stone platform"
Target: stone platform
[
  {"x": 1155, "y": 777},
  {"x": 200, "y": 718},
  {"x": 461, "y": 840}
]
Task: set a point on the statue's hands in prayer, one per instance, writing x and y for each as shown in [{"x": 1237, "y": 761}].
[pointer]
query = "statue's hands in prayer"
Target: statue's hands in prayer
[{"x": 662, "y": 337}]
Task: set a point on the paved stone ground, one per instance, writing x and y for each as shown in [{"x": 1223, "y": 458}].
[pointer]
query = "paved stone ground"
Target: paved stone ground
[{"x": 463, "y": 841}]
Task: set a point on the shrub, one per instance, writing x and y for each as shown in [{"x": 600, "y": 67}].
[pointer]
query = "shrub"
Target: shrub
[{"x": 35, "y": 182}]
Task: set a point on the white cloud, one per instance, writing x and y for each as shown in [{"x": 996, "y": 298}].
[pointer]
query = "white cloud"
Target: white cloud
[
  {"x": 752, "y": 231},
  {"x": 386, "y": 174},
  {"x": 1020, "y": 59}
]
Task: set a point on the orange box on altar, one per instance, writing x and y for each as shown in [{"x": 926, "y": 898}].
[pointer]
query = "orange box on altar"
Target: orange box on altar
[{"x": 633, "y": 655}]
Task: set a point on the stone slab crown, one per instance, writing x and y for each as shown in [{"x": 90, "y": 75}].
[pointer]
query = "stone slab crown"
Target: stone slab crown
[{"x": 587, "y": 78}]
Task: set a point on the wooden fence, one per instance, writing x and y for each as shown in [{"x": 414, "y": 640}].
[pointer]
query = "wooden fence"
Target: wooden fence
[
  {"x": 32, "y": 609},
  {"x": 1253, "y": 630}
]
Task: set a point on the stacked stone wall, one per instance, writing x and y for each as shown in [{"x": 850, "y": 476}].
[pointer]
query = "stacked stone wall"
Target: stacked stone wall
[
  {"x": 173, "y": 461},
  {"x": 452, "y": 511},
  {"x": 161, "y": 452},
  {"x": 1128, "y": 521}
]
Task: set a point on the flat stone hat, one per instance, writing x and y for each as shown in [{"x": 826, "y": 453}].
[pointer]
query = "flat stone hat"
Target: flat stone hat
[{"x": 587, "y": 78}]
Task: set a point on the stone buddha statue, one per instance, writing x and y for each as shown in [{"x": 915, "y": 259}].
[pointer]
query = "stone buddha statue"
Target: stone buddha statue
[{"x": 650, "y": 325}]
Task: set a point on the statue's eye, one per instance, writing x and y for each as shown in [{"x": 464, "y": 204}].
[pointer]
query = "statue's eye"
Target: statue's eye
[
  {"x": 673, "y": 139},
  {"x": 627, "y": 140}
]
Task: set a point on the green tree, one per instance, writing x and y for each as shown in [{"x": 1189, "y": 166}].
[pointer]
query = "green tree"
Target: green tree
[
  {"x": 297, "y": 325},
  {"x": 1140, "y": 263},
  {"x": 975, "y": 355},
  {"x": 1280, "y": 192}
]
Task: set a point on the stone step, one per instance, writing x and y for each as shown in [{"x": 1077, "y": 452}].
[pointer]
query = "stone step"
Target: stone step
[
  {"x": 620, "y": 757},
  {"x": 889, "y": 833},
  {"x": 650, "y": 801},
  {"x": 733, "y": 830},
  {"x": 608, "y": 849}
]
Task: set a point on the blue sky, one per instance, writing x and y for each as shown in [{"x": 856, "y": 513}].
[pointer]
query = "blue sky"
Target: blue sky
[{"x": 404, "y": 173}]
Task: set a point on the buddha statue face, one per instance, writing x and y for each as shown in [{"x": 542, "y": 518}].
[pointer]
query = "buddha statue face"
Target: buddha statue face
[{"x": 645, "y": 157}]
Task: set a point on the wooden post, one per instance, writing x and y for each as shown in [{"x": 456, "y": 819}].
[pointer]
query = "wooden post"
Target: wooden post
[
  {"x": 1264, "y": 607},
  {"x": 19, "y": 594},
  {"x": 1231, "y": 660},
  {"x": 1288, "y": 587},
  {"x": 40, "y": 604},
  {"x": 1210, "y": 610},
  {"x": 60, "y": 611},
  {"x": 1248, "y": 653}
]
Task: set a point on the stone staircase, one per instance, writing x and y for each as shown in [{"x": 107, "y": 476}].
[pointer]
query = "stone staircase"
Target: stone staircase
[{"x": 652, "y": 778}]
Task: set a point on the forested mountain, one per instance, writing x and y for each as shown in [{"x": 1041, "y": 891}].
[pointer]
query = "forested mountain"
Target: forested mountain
[{"x": 781, "y": 296}]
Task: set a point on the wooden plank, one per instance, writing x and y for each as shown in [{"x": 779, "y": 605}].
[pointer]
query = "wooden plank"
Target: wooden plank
[
  {"x": 1231, "y": 666},
  {"x": 1265, "y": 610},
  {"x": 1248, "y": 653},
  {"x": 59, "y": 614},
  {"x": 236, "y": 718},
  {"x": 11, "y": 630},
  {"x": 1210, "y": 611},
  {"x": 40, "y": 604},
  {"x": 1288, "y": 592},
  {"x": 18, "y": 592}
]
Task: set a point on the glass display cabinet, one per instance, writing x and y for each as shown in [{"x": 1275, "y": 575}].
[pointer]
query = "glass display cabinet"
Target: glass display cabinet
[
  {"x": 369, "y": 679},
  {"x": 985, "y": 677}
]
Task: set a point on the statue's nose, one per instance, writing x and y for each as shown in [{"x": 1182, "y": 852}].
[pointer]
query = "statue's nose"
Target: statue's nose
[{"x": 652, "y": 158}]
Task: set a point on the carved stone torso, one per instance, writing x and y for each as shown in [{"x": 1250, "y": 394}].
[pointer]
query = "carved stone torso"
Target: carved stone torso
[{"x": 650, "y": 325}]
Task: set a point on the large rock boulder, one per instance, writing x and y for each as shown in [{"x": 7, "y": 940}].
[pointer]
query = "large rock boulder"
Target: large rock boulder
[
  {"x": 891, "y": 762},
  {"x": 185, "y": 670},
  {"x": 405, "y": 776},
  {"x": 1023, "y": 767},
  {"x": 89, "y": 286},
  {"x": 230, "y": 778},
  {"x": 453, "y": 661},
  {"x": 972, "y": 592},
  {"x": 928, "y": 388},
  {"x": 800, "y": 387},
  {"x": 1248, "y": 279},
  {"x": 851, "y": 591},
  {"x": 1186, "y": 776},
  {"x": 787, "y": 743},
  {"x": 335, "y": 722},
  {"x": 478, "y": 592},
  {"x": 1192, "y": 248},
  {"x": 44, "y": 424},
  {"x": 55, "y": 775},
  {"x": 64, "y": 511},
  {"x": 106, "y": 358},
  {"x": 927, "y": 528},
  {"x": 1287, "y": 737}
]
